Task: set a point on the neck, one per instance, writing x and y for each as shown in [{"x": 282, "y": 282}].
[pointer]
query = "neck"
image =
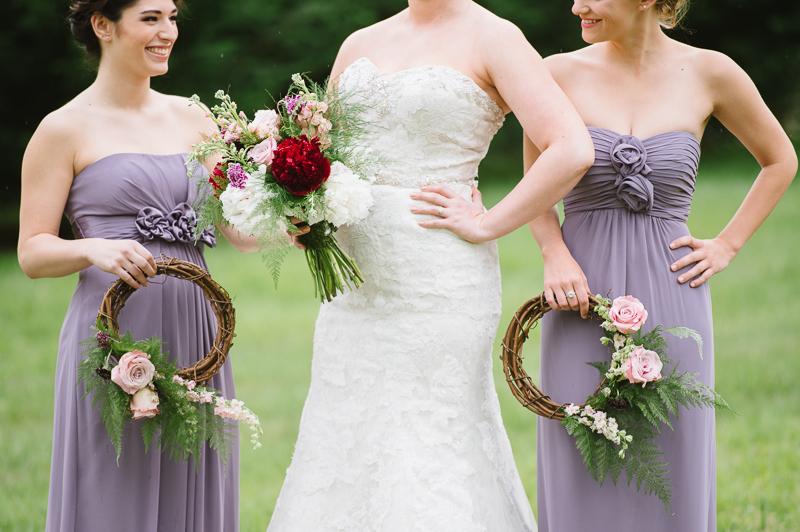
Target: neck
[
  {"x": 426, "y": 11},
  {"x": 119, "y": 87},
  {"x": 637, "y": 48}
]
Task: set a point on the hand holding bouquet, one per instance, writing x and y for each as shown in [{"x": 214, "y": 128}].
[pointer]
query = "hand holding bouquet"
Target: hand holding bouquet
[{"x": 303, "y": 160}]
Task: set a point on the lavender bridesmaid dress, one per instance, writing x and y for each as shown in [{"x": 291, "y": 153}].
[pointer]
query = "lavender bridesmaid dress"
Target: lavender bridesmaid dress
[
  {"x": 620, "y": 220},
  {"x": 145, "y": 198}
]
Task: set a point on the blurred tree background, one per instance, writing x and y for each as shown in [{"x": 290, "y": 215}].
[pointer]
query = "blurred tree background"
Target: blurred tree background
[{"x": 253, "y": 46}]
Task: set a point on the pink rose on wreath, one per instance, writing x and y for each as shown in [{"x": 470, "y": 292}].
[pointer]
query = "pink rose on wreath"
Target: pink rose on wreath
[
  {"x": 134, "y": 371},
  {"x": 262, "y": 152},
  {"x": 627, "y": 314},
  {"x": 144, "y": 403},
  {"x": 643, "y": 366}
]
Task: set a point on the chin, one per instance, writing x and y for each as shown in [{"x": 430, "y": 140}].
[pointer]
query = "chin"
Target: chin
[
  {"x": 157, "y": 70},
  {"x": 591, "y": 37}
]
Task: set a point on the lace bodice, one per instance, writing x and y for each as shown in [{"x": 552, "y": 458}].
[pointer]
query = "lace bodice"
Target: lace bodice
[{"x": 433, "y": 123}]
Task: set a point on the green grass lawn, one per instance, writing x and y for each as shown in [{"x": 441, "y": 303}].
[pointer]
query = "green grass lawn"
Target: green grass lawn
[{"x": 757, "y": 338}]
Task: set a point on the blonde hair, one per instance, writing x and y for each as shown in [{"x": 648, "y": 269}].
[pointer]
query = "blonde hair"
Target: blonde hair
[{"x": 671, "y": 12}]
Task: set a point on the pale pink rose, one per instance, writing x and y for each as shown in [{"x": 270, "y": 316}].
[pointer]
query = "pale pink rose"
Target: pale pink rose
[
  {"x": 265, "y": 123},
  {"x": 643, "y": 366},
  {"x": 627, "y": 314},
  {"x": 263, "y": 151},
  {"x": 144, "y": 403},
  {"x": 134, "y": 371}
]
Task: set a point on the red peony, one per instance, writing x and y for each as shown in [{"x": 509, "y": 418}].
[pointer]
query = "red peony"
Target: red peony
[{"x": 298, "y": 165}]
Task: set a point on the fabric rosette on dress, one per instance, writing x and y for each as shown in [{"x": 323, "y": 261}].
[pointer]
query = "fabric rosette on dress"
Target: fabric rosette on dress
[
  {"x": 179, "y": 225},
  {"x": 629, "y": 158}
]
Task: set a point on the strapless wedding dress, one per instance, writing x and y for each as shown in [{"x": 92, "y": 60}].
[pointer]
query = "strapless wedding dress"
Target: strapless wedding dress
[{"x": 401, "y": 430}]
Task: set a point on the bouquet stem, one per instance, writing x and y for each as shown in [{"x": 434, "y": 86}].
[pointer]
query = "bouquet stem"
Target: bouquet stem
[{"x": 330, "y": 266}]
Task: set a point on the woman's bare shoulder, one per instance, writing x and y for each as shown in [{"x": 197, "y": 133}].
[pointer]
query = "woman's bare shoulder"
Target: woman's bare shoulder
[
  {"x": 566, "y": 65},
  {"x": 65, "y": 124},
  {"x": 359, "y": 43}
]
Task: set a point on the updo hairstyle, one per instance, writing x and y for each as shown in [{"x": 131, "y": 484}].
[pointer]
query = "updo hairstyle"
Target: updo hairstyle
[
  {"x": 80, "y": 20},
  {"x": 671, "y": 12}
]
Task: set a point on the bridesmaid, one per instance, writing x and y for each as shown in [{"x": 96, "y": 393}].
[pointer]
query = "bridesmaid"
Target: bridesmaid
[
  {"x": 112, "y": 160},
  {"x": 646, "y": 99}
]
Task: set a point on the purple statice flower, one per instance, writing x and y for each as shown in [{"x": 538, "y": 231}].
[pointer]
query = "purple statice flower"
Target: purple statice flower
[
  {"x": 236, "y": 175},
  {"x": 291, "y": 103},
  {"x": 103, "y": 340}
]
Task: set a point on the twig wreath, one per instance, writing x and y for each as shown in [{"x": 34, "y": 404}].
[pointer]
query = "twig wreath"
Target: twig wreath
[
  {"x": 133, "y": 379},
  {"x": 615, "y": 427}
]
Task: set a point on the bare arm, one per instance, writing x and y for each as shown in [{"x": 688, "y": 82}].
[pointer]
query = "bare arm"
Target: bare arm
[
  {"x": 47, "y": 173},
  {"x": 740, "y": 108},
  {"x": 550, "y": 122},
  {"x": 562, "y": 274}
]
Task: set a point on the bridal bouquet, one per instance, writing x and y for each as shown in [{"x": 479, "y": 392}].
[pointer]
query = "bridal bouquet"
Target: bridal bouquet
[
  {"x": 135, "y": 380},
  {"x": 302, "y": 160},
  {"x": 615, "y": 428}
]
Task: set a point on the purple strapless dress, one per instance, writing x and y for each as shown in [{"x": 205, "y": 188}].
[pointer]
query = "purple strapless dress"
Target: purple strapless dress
[
  {"x": 145, "y": 198},
  {"x": 620, "y": 220}
]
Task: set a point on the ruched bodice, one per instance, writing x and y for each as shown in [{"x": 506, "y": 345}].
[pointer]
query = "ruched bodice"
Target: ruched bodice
[
  {"x": 433, "y": 123},
  {"x": 135, "y": 196},
  {"x": 654, "y": 176}
]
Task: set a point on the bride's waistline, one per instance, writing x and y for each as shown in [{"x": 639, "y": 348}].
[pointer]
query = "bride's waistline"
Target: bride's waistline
[{"x": 417, "y": 185}]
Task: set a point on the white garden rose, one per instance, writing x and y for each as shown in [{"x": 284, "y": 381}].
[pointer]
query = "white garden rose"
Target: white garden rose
[
  {"x": 240, "y": 204},
  {"x": 347, "y": 197}
]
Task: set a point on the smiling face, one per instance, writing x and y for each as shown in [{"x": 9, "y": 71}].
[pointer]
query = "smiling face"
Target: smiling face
[
  {"x": 141, "y": 40},
  {"x": 607, "y": 20}
]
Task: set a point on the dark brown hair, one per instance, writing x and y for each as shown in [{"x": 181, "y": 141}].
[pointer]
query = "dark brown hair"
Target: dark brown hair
[
  {"x": 80, "y": 20},
  {"x": 671, "y": 12}
]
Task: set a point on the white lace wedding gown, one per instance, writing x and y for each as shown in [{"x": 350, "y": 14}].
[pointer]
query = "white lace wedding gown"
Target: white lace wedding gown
[{"x": 401, "y": 430}]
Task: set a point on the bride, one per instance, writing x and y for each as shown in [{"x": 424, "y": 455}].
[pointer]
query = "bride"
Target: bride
[{"x": 401, "y": 430}]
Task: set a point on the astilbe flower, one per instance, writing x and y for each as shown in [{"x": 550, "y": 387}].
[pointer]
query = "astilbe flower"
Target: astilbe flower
[{"x": 299, "y": 165}]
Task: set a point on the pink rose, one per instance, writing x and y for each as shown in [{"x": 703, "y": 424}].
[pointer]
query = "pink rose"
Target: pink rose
[
  {"x": 265, "y": 123},
  {"x": 627, "y": 314},
  {"x": 262, "y": 152},
  {"x": 643, "y": 366},
  {"x": 144, "y": 403},
  {"x": 134, "y": 371}
]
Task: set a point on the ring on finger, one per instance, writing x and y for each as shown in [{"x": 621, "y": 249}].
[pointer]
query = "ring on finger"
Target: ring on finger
[
  {"x": 570, "y": 294},
  {"x": 439, "y": 211}
]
